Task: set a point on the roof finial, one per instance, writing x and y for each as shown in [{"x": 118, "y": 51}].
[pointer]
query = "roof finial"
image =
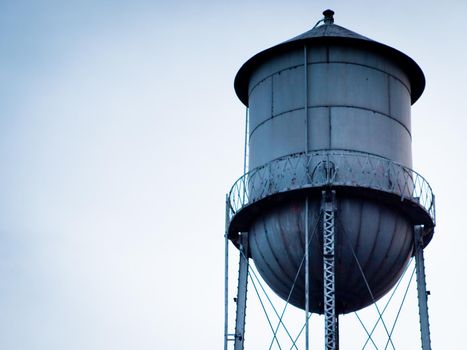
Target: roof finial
[{"x": 328, "y": 16}]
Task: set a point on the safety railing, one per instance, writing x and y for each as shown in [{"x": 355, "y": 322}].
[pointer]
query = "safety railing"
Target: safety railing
[{"x": 331, "y": 168}]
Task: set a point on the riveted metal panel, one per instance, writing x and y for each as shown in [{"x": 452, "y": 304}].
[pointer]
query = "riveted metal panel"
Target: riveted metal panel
[
  {"x": 266, "y": 144},
  {"x": 399, "y": 102},
  {"x": 276, "y": 64},
  {"x": 288, "y": 90},
  {"x": 319, "y": 132},
  {"x": 372, "y": 60},
  {"x": 261, "y": 103},
  {"x": 367, "y": 131},
  {"x": 346, "y": 84},
  {"x": 317, "y": 53}
]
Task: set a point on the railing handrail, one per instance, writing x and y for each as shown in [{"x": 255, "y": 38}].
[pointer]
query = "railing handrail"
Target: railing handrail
[{"x": 376, "y": 173}]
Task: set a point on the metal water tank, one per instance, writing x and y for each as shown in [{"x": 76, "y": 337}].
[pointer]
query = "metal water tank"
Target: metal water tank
[{"x": 330, "y": 109}]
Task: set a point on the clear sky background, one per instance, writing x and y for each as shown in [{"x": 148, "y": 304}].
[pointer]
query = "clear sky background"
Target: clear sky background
[{"x": 120, "y": 134}]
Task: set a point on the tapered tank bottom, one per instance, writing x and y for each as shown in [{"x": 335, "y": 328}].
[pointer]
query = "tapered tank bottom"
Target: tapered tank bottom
[{"x": 379, "y": 237}]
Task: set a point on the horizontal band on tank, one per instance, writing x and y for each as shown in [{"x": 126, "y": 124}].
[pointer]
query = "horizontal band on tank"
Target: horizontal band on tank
[
  {"x": 353, "y": 172},
  {"x": 332, "y": 106},
  {"x": 328, "y": 62}
]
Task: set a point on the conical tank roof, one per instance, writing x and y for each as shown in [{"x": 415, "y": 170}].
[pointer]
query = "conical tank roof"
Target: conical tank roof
[{"x": 330, "y": 33}]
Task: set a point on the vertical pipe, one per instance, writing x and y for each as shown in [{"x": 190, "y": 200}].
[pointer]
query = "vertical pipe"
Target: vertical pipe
[
  {"x": 305, "y": 69},
  {"x": 421, "y": 288},
  {"x": 245, "y": 149},
  {"x": 307, "y": 275},
  {"x": 226, "y": 272},
  {"x": 245, "y": 154},
  {"x": 307, "y": 243}
]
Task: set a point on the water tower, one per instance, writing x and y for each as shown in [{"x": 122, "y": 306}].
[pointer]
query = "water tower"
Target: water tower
[{"x": 329, "y": 209}]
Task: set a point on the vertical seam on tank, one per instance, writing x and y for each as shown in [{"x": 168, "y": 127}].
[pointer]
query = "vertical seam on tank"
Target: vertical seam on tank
[
  {"x": 287, "y": 248},
  {"x": 265, "y": 263},
  {"x": 272, "y": 96},
  {"x": 289, "y": 279},
  {"x": 316, "y": 277},
  {"x": 397, "y": 272},
  {"x": 396, "y": 225},
  {"x": 375, "y": 241},
  {"x": 302, "y": 229},
  {"x": 389, "y": 93},
  {"x": 396, "y": 260},
  {"x": 316, "y": 267},
  {"x": 378, "y": 276},
  {"x": 350, "y": 267}
]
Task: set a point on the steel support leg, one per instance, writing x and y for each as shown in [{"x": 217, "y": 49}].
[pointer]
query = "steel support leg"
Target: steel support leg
[
  {"x": 226, "y": 272},
  {"x": 330, "y": 319},
  {"x": 241, "y": 293},
  {"x": 307, "y": 275},
  {"x": 421, "y": 288}
]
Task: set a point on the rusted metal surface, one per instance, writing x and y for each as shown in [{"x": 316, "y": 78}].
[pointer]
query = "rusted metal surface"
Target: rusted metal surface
[{"x": 351, "y": 169}]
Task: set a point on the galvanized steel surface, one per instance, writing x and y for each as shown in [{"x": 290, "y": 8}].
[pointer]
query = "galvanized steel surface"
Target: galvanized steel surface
[
  {"x": 331, "y": 109},
  {"x": 356, "y": 100},
  {"x": 378, "y": 235}
]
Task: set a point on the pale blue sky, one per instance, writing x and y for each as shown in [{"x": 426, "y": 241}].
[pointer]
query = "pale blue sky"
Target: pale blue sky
[{"x": 120, "y": 134}]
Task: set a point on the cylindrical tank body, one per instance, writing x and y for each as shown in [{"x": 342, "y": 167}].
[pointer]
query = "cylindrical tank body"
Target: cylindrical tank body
[
  {"x": 330, "y": 90},
  {"x": 358, "y": 100}
]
